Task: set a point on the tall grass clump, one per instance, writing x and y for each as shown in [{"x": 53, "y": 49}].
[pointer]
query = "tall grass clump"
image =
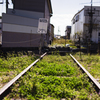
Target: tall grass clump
[
  {"x": 91, "y": 63},
  {"x": 62, "y": 42}
]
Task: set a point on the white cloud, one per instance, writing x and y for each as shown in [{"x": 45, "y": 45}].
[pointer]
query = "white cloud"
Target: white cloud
[{"x": 61, "y": 21}]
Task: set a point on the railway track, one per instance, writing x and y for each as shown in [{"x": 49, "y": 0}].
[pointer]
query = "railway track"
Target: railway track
[
  {"x": 4, "y": 90},
  {"x": 89, "y": 75}
]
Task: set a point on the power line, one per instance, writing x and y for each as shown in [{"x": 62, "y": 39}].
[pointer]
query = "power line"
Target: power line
[{"x": 89, "y": 2}]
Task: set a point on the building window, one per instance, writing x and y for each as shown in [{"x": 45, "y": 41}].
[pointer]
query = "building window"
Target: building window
[
  {"x": 73, "y": 21},
  {"x": 77, "y": 18}
]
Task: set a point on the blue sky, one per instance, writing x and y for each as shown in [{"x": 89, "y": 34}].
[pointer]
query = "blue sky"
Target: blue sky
[{"x": 63, "y": 12}]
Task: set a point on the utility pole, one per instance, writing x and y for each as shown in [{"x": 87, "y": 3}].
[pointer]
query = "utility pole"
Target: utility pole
[
  {"x": 90, "y": 27},
  {"x": 91, "y": 21},
  {"x": 7, "y": 6}
]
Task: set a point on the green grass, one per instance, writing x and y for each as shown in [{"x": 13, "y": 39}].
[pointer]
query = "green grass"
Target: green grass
[
  {"x": 53, "y": 78},
  {"x": 61, "y": 42},
  {"x": 91, "y": 63},
  {"x": 12, "y": 65}
]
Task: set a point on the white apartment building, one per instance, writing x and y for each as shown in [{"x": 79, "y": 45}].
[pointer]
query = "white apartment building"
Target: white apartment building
[{"x": 80, "y": 24}]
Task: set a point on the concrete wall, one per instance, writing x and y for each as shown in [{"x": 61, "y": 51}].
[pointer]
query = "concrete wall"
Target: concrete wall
[
  {"x": 96, "y": 22},
  {"x": 95, "y": 36},
  {"x": 72, "y": 32},
  {"x": 78, "y": 26},
  {"x": 83, "y": 24}
]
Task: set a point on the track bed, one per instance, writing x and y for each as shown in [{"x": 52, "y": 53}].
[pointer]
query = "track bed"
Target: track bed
[{"x": 55, "y": 77}]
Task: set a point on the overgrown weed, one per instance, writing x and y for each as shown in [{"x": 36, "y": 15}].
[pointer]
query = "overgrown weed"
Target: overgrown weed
[
  {"x": 54, "y": 77},
  {"x": 13, "y": 64}
]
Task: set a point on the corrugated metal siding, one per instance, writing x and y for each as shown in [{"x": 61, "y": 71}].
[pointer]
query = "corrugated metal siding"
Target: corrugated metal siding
[
  {"x": 29, "y": 14},
  {"x": 11, "y": 19},
  {"x": 19, "y": 28},
  {"x": 20, "y": 40},
  {"x": 30, "y": 5}
]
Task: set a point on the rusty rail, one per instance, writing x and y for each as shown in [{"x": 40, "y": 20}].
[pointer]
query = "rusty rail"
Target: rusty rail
[
  {"x": 89, "y": 75},
  {"x": 4, "y": 88}
]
